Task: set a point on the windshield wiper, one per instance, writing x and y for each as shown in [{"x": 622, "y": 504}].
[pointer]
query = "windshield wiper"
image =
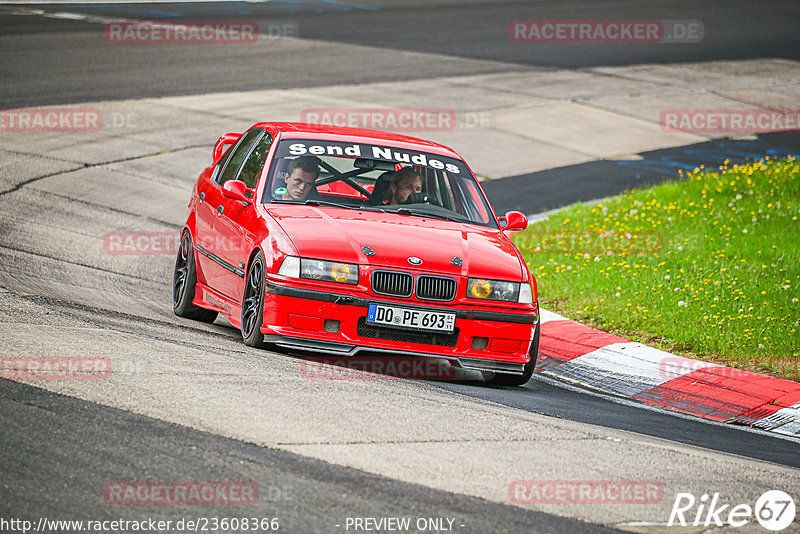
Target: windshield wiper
[
  {"x": 420, "y": 213},
  {"x": 328, "y": 203}
]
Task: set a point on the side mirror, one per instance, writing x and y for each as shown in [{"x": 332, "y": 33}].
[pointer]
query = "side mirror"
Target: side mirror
[
  {"x": 513, "y": 220},
  {"x": 227, "y": 139},
  {"x": 237, "y": 190}
]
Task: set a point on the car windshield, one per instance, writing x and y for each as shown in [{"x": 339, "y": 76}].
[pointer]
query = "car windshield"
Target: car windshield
[{"x": 375, "y": 177}]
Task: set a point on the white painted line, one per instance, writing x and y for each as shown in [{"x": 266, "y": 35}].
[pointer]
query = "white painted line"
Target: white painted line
[
  {"x": 784, "y": 421},
  {"x": 548, "y": 378},
  {"x": 626, "y": 368},
  {"x": 547, "y": 316}
]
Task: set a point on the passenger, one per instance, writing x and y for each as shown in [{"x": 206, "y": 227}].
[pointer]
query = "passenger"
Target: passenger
[{"x": 300, "y": 178}]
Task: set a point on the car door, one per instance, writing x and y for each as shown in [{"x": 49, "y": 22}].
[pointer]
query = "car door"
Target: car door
[
  {"x": 207, "y": 241},
  {"x": 235, "y": 220}
]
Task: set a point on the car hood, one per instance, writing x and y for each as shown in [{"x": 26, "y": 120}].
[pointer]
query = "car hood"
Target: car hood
[{"x": 341, "y": 234}]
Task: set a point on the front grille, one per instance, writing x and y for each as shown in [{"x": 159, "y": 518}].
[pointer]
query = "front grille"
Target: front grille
[
  {"x": 392, "y": 283},
  {"x": 436, "y": 288},
  {"x": 406, "y": 336}
]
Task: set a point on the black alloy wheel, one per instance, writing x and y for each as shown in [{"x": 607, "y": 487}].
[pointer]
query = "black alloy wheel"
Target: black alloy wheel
[
  {"x": 253, "y": 303},
  {"x": 183, "y": 285}
]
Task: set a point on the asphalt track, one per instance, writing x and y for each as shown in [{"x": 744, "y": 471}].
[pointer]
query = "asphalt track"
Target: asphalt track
[
  {"x": 57, "y": 61},
  {"x": 306, "y": 495},
  {"x": 48, "y": 61}
]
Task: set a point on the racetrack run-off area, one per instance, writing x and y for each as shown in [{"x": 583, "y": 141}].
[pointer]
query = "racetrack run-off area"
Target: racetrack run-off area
[{"x": 577, "y": 353}]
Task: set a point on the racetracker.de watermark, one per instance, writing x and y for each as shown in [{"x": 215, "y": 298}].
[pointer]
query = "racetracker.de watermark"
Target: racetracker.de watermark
[
  {"x": 55, "y": 367},
  {"x": 155, "y": 243},
  {"x": 196, "y": 32},
  {"x": 398, "y": 119},
  {"x": 605, "y": 31},
  {"x": 376, "y": 368},
  {"x": 586, "y": 492},
  {"x": 729, "y": 120},
  {"x": 588, "y": 244},
  {"x": 159, "y": 242},
  {"x": 64, "y": 120},
  {"x": 672, "y": 367},
  {"x": 51, "y": 120},
  {"x": 181, "y": 493},
  {"x": 141, "y": 243}
]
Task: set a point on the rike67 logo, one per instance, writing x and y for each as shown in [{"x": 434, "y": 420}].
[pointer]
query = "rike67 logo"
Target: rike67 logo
[{"x": 774, "y": 510}]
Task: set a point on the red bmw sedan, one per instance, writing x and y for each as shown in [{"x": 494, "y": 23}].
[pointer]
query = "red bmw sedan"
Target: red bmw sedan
[{"x": 340, "y": 240}]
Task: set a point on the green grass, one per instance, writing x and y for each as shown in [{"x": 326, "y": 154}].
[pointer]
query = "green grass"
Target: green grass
[{"x": 707, "y": 267}]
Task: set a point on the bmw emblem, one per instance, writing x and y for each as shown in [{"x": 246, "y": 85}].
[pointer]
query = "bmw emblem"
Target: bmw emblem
[{"x": 413, "y": 260}]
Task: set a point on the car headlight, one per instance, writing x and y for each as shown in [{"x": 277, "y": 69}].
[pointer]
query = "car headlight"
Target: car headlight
[
  {"x": 328, "y": 271},
  {"x": 479, "y": 288}
]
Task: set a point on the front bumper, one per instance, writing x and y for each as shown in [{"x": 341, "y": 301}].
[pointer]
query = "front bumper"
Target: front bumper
[{"x": 485, "y": 339}]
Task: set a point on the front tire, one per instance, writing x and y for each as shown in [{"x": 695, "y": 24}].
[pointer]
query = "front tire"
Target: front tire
[
  {"x": 184, "y": 281},
  {"x": 253, "y": 303},
  {"x": 505, "y": 379}
]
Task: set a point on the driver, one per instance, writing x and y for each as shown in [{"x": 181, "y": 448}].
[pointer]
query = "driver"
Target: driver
[
  {"x": 405, "y": 182},
  {"x": 300, "y": 177}
]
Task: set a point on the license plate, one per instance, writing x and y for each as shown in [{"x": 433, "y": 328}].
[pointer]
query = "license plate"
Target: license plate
[{"x": 417, "y": 319}]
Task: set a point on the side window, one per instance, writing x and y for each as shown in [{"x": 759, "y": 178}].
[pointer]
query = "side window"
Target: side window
[
  {"x": 252, "y": 167},
  {"x": 237, "y": 155},
  {"x": 446, "y": 196},
  {"x": 480, "y": 213}
]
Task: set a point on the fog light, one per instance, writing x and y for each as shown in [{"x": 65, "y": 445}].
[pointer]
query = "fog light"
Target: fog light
[
  {"x": 332, "y": 326},
  {"x": 479, "y": 289},
  {"x": 343, "y": 273}
]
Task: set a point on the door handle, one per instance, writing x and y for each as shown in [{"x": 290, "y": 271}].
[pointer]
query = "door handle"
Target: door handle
[{"x": 220, "y": 209}]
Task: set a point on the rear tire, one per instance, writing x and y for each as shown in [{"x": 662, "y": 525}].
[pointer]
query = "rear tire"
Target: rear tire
[
  {"x": 183, "y": 285},
  {"x": 253, "y": 303},
  {"x": 505, "y": 379}
]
